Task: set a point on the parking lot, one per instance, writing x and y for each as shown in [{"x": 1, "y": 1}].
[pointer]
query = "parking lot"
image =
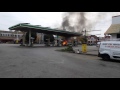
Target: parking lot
[{"x": 45, "y": 62}]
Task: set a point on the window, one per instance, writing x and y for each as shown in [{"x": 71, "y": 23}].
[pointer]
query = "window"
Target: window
[{"x": 118, "y": 35}]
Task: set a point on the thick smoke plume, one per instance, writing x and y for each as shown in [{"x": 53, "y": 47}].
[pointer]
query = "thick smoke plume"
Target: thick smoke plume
[
  {"x": 78, "y": 21},
  {"x": 78, "y": 25}
]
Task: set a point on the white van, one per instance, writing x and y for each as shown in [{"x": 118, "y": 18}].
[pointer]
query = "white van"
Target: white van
[{"x": 109, "y": 50}]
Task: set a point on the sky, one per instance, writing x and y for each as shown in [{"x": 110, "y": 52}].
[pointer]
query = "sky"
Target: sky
[{"x": 54, "y": 19}]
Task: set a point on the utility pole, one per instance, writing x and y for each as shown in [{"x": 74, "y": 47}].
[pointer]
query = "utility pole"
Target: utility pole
[
  {"x": 17, "y": 38},
  {"x": 85, "y": 37},
  {"x": 84, "y": 45}
]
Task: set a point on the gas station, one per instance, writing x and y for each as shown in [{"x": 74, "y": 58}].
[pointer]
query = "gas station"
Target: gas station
[{"x": 26, "y": 27}]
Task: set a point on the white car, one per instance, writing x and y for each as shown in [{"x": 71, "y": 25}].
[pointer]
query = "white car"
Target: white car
[{"x": 109, "y": 50}]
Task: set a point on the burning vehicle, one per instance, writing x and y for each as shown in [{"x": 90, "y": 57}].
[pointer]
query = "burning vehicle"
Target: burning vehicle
[{"x": 64, "y": 43}]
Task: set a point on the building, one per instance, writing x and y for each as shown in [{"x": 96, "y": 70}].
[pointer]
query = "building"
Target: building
[
  {"x": 93, "y": 39},
  {"x": 114, "y": 30},
  {"x": 14, "y": 36},
  {"x": 9, "y": 36}
]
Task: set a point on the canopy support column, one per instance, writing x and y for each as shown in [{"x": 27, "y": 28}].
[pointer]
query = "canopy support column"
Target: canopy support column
[
  {"x": 29, "y": 37},
  {"x": 24, "y": 35},
  {"x": 57, "y": 41}
]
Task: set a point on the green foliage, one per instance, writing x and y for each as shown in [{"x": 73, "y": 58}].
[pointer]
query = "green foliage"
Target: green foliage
[
  {"x": 83, "y": 39},
  {"x": 68, "y": 49}
]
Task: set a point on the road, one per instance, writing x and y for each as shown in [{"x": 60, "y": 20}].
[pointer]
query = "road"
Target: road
[{"x": 45, "y": 62}]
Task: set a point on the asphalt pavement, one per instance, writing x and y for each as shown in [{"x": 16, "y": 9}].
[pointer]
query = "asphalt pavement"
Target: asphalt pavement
[
  {"x": 91, "y": 50},
  {"x": 45, "y": 62}
]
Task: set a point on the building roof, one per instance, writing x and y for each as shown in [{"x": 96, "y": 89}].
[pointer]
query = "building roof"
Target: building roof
[
  {"x": 3, "y": 31},
  {"x": 113, "y": 29},
  {"x": 47, "y": 30},
  {"x": 116, "y": 16}
]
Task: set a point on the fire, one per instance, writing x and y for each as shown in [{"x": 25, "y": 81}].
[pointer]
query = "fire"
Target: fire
[{"x": 64, "y": 43}]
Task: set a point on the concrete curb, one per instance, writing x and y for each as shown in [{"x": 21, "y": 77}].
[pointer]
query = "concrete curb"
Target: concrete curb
[
  {"x": 88, "y": 54},
  {"x": 78, "y": 53}
]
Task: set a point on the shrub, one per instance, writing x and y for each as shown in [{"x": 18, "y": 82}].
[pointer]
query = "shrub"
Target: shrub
[{"x": 68, "y": 49}]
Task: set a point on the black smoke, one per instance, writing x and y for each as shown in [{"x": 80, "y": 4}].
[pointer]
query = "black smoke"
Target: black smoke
[
  {"x": 81, "y": 22},
  {"x": 79, "y": 25}
]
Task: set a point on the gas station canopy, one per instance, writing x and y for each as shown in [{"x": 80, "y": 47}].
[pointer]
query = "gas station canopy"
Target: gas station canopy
[{"x": 46, "y": 30}]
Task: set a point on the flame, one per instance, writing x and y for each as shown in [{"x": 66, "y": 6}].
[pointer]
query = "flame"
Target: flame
[{"x": 64, "y": 43}]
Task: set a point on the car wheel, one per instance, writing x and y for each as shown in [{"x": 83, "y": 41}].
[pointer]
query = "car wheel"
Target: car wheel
[{"x": 106, "y": 57}]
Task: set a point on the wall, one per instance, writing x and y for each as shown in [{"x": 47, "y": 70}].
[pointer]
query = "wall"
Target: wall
[
  {"x": 114, "y": 37},
  {"x": 116, "y": 20},
  {"x": 10, "y": 36}
]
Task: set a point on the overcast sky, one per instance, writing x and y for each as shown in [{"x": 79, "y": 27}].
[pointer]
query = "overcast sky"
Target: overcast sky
[{"x": 51, "y": 19}]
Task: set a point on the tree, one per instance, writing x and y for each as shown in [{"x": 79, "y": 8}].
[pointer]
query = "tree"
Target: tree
[{"x": 82, "y": 39}]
